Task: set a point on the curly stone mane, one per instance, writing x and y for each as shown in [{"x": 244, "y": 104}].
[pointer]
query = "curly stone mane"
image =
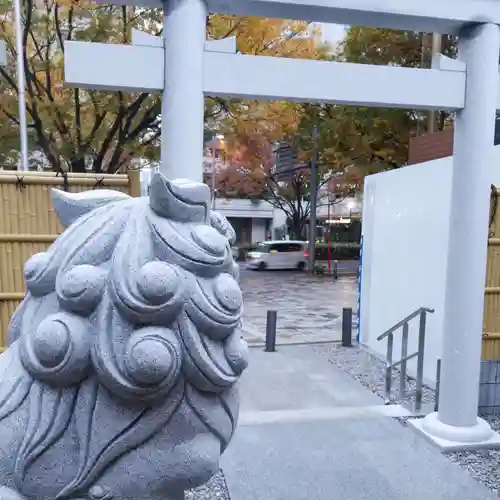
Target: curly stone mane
[{"x": 137, "y": 302}]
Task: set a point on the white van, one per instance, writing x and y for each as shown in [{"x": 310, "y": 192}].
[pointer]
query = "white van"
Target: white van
[{"x": 279, "y": 255}]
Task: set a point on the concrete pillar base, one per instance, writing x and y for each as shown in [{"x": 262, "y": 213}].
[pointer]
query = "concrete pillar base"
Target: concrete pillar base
[{"x": 452, "y": 438}]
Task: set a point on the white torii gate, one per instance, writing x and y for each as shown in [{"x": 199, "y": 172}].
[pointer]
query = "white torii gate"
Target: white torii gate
[{"x": 185, "y": 68}]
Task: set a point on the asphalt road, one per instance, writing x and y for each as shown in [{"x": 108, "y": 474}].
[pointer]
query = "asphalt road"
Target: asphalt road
[{"x": 309, "y": 308}]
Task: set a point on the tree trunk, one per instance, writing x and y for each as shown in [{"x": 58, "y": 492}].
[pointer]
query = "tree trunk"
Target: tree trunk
[
  {"x": 296, "y": 226},
  {"x": 78, "y": 165}
]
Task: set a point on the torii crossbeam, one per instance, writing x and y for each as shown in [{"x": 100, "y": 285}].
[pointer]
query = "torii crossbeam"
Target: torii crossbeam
[
  {"x": 142, "y": 68},
  {"x": 184, "y": 67}
]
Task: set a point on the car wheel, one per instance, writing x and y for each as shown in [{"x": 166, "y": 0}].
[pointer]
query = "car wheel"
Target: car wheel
[
  {"x": 262, "y": 266},
  {"x": 301, "y": 266}
]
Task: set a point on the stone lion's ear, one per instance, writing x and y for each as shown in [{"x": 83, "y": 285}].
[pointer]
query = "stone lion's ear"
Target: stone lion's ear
[
  {"x": 71, "y": 206},
  {"x": 180, "y": 200}
]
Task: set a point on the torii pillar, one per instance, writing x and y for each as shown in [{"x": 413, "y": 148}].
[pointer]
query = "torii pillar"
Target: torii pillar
[
  {"x": 182, "y": 111},
  {"x": 183, "y": 102},
  {"x": 456, "y": 424}
]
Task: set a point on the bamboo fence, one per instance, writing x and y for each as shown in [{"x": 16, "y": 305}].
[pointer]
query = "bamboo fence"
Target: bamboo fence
[
  {"x": 491, "y": 318},
  {"x": 29, "y": 225}
]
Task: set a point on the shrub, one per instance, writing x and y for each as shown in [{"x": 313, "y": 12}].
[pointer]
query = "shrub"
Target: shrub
[
  {"x": 319, "y": 270},
  {"x": 242, "y": 253},
  {"x": 338, "y": 251}
]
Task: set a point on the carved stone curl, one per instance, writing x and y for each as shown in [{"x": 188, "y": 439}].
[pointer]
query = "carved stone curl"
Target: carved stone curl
[{"x": 119, "y": 382}]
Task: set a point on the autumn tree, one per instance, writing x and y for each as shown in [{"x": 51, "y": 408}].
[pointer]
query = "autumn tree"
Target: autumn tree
[
  {"x": 367, "y": 140},
  {"x": 77, "y": 129},
  {"x": 9, "y": 140},
  {"x": 251, "y": 174},
  {"x": 392, "y": 128},
  {"x": 357, "y": 141}
]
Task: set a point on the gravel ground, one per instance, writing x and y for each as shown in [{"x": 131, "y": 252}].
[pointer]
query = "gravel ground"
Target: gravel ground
[
  {"x": 370, "y": 371},
  {"x": 215, "y": 489},
  {"x": 483, "y": 465}
]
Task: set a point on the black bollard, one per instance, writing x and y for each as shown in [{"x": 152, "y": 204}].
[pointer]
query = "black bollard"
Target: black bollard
[
  {"x": 347, "y": 327},
  {"x": 272, "y": 317},
  {"x": 335, "y": 270}
]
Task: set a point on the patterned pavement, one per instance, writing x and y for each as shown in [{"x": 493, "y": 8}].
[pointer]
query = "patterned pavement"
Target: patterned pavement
[{"x": 309, "y": 308}]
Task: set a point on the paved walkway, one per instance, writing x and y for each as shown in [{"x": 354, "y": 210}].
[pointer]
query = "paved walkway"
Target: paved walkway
[
  {"x": 309, "y": 432},
  {"x": 309, "y": 308}
]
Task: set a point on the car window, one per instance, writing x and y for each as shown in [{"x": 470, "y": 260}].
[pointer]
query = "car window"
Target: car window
[
  {"x": 289, "y": 247},
  {"x": 277, "y": 248},
  {"x": 294, "y": 247},
  {"x": 285, "y": 248},
  {"x": 262, "y": 248}
]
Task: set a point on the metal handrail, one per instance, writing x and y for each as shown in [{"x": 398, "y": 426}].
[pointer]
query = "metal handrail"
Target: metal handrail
[
  {"x": 414, "y": 314},
  {"x": 405, "y": 357}
]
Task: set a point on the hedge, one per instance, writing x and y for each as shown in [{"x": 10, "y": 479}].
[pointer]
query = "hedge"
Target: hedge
[{"x": 339, "y": 251}]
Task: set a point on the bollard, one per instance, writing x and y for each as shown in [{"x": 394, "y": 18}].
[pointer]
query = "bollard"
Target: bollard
[
  {"x": 347, "y": 327},
  {"x": 272, "y": 317},
  {"x": 335, "y": 270}
]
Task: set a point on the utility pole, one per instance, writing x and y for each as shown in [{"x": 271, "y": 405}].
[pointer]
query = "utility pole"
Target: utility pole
[
  {"x": 3, "y": 53},
  {"x": 314, "y": 196},
  {"x": 215, "y": 143},
  {"x": 213, "y": 172},
  {"x": 437, "y": 47},
  {"x": 21, "y": 86}
]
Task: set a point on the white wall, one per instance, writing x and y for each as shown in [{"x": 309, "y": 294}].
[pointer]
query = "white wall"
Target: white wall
[
  {"x": 279, "y": 218},
  {"x": 258, "y": 230},
  {"x": 405, "y": 234}
]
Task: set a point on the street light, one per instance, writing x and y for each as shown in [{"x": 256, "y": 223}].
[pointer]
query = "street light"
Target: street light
[{"x": 218, "y": 138}]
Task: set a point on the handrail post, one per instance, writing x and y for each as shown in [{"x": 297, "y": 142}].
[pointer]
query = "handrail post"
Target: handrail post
[
  {"x": 438, "y": 383},
  {"x": 404, "y": 355},
  {"x": 402, "y": 363},
  {"x": 420, "y": 362},
  {"x": 388, "y": 369}
]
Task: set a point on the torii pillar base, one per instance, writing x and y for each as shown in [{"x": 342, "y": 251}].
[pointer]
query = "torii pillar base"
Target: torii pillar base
[{"x": 449, "y": 438}]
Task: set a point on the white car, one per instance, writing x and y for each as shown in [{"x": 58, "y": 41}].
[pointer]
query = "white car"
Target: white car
[{"x": 279, "y": 255}]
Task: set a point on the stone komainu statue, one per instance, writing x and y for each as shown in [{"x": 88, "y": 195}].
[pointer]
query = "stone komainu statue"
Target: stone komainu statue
[{"x": 119, "y": 379}]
